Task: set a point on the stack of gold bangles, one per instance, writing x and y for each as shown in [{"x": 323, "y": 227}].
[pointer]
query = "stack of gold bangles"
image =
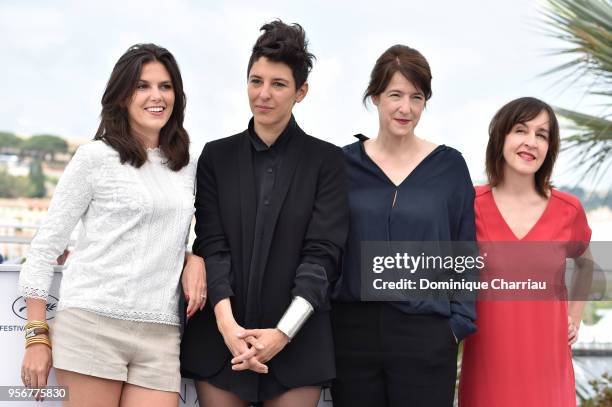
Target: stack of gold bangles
[{"x": 37, "y": 332}]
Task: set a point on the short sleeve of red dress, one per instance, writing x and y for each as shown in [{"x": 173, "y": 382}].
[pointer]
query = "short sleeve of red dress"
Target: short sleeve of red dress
[{"x": 581, "y": 233}]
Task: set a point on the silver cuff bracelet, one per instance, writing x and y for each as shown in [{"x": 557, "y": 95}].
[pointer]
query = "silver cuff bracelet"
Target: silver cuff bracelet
[{"x": 295, "y": 316}]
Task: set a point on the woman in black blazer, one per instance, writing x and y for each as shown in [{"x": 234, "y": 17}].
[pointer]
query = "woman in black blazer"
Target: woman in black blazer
[{"x": 271, "y": 221}]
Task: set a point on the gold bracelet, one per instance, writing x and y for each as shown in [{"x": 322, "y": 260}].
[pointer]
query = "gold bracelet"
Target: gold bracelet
[
  {"x": 37, "y": 324},
  {"x": 38, "y": 339},
  {"x": 30, "y": 332},
  {"x": 43, "y": 337}
]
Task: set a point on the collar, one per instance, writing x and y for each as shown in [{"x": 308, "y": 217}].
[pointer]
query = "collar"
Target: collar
[
  {"x": 361, "y": 137},
  {"x": 259, "y": 145}
]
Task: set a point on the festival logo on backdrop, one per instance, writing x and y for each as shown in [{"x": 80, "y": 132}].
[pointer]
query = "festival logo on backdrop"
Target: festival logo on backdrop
[{"x": 19, "y": 307}]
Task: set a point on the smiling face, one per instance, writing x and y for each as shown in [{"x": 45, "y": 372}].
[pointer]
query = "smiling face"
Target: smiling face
[
  {"x": 150, "y": 106},
  {"x": 399, "y": 107},
  {"x": 272, "y": 94},
  {"x": 526, "y": 146}
]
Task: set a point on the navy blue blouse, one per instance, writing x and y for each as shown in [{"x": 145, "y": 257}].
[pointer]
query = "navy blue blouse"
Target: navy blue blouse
[{"x": 434, "y": 203}]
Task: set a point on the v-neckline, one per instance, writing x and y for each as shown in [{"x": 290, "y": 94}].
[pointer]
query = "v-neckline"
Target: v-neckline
[
  {"x": 507, "y": 225},
  {"x": 365, "y": 153}
]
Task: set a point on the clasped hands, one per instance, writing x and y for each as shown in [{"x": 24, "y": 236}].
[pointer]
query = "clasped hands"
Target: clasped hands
[{"x": 252, "y": 348}]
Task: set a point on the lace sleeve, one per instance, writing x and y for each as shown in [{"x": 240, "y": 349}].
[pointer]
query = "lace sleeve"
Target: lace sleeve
[{"x": 70, "y": 201}]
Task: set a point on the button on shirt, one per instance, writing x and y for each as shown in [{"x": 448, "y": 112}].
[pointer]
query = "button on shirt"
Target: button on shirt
[{"x": 266, "y": 163}]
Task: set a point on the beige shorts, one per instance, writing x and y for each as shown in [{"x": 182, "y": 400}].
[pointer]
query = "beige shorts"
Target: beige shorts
[{"x": 141, "y": 353}]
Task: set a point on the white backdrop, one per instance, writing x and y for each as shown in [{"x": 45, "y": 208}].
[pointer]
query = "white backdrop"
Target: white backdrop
[{"x": 12, "y": 321}]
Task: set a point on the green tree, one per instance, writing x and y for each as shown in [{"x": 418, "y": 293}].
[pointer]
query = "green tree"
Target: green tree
[
  {"x": 44, "y": 145},
  {"x": 586, "y": 26},
  {"x": 37, "y": 181},
  {"x": 9, "y": 142},
  {"x": 13, "y": 187},
  {"x": 6, "y": 185}
]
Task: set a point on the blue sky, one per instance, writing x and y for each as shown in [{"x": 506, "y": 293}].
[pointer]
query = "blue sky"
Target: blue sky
[{"x": 58, "y": 55}]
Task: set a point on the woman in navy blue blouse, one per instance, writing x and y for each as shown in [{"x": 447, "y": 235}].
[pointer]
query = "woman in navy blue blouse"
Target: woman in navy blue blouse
[{"x": 401, "y": 188}]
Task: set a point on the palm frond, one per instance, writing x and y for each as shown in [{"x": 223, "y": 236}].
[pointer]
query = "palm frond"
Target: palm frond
[
  {"x": 586, "y": 27},
  {"x": 601, "y": 127}
]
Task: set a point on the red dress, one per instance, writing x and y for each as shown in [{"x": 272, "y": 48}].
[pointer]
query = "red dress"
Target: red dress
[{"x": 520, "y": 357}]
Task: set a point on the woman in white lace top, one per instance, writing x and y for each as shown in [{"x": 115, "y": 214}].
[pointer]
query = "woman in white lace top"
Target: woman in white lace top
[{"x": 116, "y": 333}]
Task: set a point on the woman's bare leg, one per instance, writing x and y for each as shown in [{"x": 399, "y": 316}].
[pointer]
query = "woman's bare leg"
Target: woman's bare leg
[
  {"x": 89, "y": 391},
  {"x": 137, "y": 396}
]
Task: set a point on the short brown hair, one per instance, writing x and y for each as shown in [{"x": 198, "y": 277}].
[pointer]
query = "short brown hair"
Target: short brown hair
[
  {"x": 405, "y": 60},
  {"x": 114, "y": 128},
  {"x": 520, "y": 111}
]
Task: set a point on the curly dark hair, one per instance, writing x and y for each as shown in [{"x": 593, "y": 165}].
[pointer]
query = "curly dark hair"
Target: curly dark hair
[
  {"x": 284, "y": 43},
  {"x": 114, "y": 126}
]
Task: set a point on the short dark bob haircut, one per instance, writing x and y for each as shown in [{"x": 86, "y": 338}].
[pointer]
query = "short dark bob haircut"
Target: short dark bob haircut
[
  {"x": 405, "y": 60},
  {"x": 114, "y": 126},
  {"x": 521, "y": 111},
  {"x": 284, "y": 43}
]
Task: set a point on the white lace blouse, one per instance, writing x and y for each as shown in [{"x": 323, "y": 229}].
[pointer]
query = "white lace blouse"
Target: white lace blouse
[{"x": 129, "y": 254}]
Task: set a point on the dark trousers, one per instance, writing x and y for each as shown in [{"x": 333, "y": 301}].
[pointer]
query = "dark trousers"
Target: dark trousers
[{"x": 385, "y": 357}]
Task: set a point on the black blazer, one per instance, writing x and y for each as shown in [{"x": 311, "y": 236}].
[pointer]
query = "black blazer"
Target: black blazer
[{"x": 308, "y": 224}]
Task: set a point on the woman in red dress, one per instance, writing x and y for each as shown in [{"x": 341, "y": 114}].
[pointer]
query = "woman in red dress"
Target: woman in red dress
[{"x": 521, "y": 354}]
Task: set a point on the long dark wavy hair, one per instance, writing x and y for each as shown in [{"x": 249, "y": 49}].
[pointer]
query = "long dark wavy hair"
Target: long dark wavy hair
[{"x": 114, "y": 126}]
